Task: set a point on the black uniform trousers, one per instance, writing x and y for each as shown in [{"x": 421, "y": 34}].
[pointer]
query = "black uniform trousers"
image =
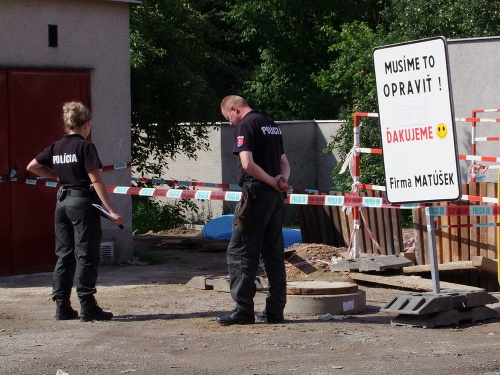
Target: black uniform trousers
[
  {"x": 262, "y": 240},
  {"x": 78, "y": 239}
]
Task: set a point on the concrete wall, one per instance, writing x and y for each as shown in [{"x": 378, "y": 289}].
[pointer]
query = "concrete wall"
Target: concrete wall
[
  {"x": 92, "y": 34},
  {"x": 304, "y": 142},
  {"x": 476, "y": 85}
]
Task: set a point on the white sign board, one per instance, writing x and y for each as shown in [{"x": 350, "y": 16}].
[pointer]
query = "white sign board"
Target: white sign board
[{"x": 417, "y": 122}]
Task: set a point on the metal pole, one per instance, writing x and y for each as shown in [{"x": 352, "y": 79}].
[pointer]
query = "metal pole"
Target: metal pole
[
  {"x": 431, "y": 238},
  {"x": 355, "y": 177}
]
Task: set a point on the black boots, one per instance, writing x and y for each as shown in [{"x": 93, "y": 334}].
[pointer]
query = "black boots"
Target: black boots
[
  {"x": 235, "y": 318},
  {"x": 270, "y": 318},
  {"x": 64, "y": 311},
  {"x": 91, "y": 311}
]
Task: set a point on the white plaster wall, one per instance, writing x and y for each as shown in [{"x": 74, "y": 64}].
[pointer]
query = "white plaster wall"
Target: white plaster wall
[
  {"x": 303, "y": 141},
  {"x": 475, "y": 78},
  {"x": 92, "y": 34}
]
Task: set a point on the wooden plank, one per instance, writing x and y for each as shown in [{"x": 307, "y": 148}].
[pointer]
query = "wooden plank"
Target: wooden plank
[
  {"x": 364, "y": 240},
  {"x": 483, "y": 239},
  {"x": 397, "y": 231},
  {"x": 366, "y": 224},
  {"x": 407, "y": 282},
  {"x": 302, "y": 224},
  {"x": 485, "y": 264},
  {"x": 441, "y": 236},
  {"x": 472, "y": 189},
  {"x": 474, "y": 233},
  {"x": 464, "y": 239},
  {"x": 491, "y": 191},
  {"x": 387, "y": 247},
  {"x": 379, "y": 224},
  {"x": 346, "y": 224},
  {"x": 333, "y": 212},
  {"x": 419, "y": 227},
  {"x": 372, "y": 218},
  {"x": 442, "y": 267},
  {"x": 368, "y": 241},
  {"x": 327, "y": 228},
  {"x": 323, "y": 228},
  {"x": 454, "y": 236}
]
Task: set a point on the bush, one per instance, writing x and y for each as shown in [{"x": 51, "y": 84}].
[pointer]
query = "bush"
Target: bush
[{"x": 149, "y": 214}]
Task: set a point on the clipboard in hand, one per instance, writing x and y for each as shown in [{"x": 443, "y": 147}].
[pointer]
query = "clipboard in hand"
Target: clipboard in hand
[{"x": 105, "y": 213}]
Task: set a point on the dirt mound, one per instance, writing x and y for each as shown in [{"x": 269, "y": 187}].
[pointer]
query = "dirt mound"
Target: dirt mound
[
  {"x": 176, "y": 232},
  {"x": 313, "y": 262}
]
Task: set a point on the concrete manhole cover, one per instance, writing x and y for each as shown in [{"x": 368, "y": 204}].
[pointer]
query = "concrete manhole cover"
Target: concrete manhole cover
[{"x": 320, "y": 287}]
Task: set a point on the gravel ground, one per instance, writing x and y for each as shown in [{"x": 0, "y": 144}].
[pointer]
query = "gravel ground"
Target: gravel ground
[{"x": 163, "y": 327}]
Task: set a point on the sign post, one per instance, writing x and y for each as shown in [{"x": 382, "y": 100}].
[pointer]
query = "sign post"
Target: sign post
[{"x": 417, "y": 125}]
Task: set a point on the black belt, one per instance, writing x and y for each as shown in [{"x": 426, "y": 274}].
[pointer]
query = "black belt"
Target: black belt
[{"x": 79, "y": 193}]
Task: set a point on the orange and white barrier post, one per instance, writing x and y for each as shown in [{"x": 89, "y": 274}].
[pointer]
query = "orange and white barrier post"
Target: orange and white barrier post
[{"x": 355, "y": 251}]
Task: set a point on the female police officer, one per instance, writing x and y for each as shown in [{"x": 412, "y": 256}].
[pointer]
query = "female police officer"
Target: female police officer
[{"x": 75, "y": 163}]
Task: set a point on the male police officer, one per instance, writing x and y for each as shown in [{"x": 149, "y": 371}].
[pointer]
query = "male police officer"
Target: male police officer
[{"x": 263, "y": 172}]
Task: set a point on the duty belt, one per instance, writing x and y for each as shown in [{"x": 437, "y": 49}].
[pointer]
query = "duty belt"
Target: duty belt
[{"x": 79, "y": 193}]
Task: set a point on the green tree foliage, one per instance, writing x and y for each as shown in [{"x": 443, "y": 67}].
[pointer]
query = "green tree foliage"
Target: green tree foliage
[
  {"x": 352, "y": 76},
  {"x": 417, "y": 19},
  {"x": 351, "y": 73},
  {"x": 294, "y": 59},
  {"x": 283, "y": 45},
  {"x": 172, "y": 58},
  {"x": 173, "y": 64}
]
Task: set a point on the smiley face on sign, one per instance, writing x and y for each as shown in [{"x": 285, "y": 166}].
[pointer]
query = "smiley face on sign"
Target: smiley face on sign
[{"x": 441, "y": 131}]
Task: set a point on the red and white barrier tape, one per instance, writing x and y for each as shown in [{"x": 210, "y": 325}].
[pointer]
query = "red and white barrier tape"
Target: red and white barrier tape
[
  {"x": 187, "y": 183},
  {"x": 116, "y": 166},
  {"x": 44, "y": 181},
  {"x": 486, "y": 110},
  {"x": 493, "y": 159},
  {"x": 475, "y": 171},
  {"x": 466, "y": 119},
  {"x": 349, "y": 161},
  {"x": 463, "y": 210},
  {"x": 480, "y": 225},
  {"x": 486, "y": 139},
  {"x": 365, "y": 114},
  {"x": 475, "y": 119},
  {"x": 302, "y": 199},
  {"x": 222, "y": 186},
  {"x": 371, "y": 187},
  {"x": 313, "y": 261},
  {"x": 370, "y": 233},
  {"x": 369, "y": 150}
]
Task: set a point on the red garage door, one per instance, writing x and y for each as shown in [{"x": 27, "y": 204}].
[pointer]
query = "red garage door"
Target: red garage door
[
  {"x": 30, "y": 112},
  {"x": 5, "y": 240}
]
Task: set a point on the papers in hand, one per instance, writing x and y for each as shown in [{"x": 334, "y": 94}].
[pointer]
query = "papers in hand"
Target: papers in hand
[{"x": 105, "y": 213}]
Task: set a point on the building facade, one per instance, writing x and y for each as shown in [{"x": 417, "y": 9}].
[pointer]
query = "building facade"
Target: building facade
[{"x": 53, "y": 51}]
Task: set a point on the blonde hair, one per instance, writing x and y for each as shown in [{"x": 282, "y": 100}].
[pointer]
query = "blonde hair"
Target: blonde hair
[
  {"x": 235, "y": 100},
  {"x": 75, "y": 115}
]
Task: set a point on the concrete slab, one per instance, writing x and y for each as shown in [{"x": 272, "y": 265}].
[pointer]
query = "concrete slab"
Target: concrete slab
[
  {"x": 418, "y": 304},
  {"x": 428, "y": 302},
  {"x": 446, "y": 318},
  {"x": 379, "y": 263},
  {"x": 382, "y": 263},
  {"x": 221, "y": 283},
  {"x": 199, "y": 282},
  {"x": 337, "y": 304}
]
